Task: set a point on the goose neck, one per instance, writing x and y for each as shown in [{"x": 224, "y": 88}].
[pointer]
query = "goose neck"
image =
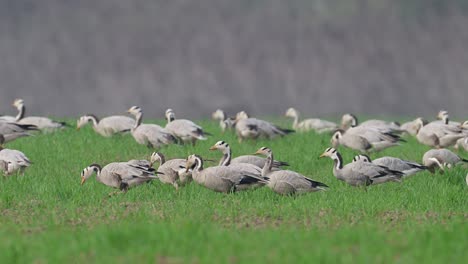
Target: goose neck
[
  {"x": 226, "y": 159},
  {"x": 21, "y": 112}
]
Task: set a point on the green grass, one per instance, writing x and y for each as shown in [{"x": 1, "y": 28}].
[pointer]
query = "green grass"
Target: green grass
[{"x": 46, "y": 216}]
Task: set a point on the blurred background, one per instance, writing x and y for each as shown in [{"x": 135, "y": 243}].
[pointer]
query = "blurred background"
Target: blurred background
[{"x": 324, "y": 57}]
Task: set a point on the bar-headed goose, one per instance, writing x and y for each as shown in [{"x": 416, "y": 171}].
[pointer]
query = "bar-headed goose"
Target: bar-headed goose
[
  {"x": 444, "y": 118},
  {"x": 365, "y": 139},
  {"x": 396, "y": 164},
  {"x": 286, "y": 182},
  {"x": 186, "y": 130},
  {"x": 219, "y": 178},
  {"x": 360, "y": 173},
  {"x": 171, "y": 171},
  {"x": 107, "y": 126},
  {"x": 225, "y": 122},
  {"x": 436, "y": 158},
  {"x": 120, "y": 175},
  {"x": 12, "y": 160},
  {"x": 43, "y": 123},
  {"x": 350, "y": 120},
  {"x": 150, "y": 135},
  {"x": 12, "y": 131},
  {"x": 253, "y": 128},
  {"x": 438, "y": 135},
  {"x": 462, "y": 143},
  {"x": 318, "y": 125}
]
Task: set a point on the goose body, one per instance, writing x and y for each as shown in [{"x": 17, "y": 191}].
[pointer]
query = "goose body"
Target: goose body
[
  {"x": 12, "y": 131},
  {"x": 253, "y": 128},
  {"x": 436, "y": 158},
  {"x": 12, "y": 161},
  {"x": 462, "y": 143},
  {"x": 151, "y": 135},
  {"x": 120, "y": 175},
  {"x": 287, "y": 182},
  {"x": 360, "y": 173},
  {"x": 219, "y": 178},
  {"x": 396, "y": 164},
  {"x": 438, "y": 135},
  {"x": 42, "y": 123},
  {"x": 185, "y": 130},
  {"x": 107, "y": 126},
  {"x": 365, "y": 139},
  {"x": 318, "y": 125},
  {"x": 350, "y": 120},
  {"x": 171, "y": 171},
  {"x": 225, "y": 122}
]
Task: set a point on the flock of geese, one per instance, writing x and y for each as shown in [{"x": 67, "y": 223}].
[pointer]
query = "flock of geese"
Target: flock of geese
[{"x": 248, "y": 171}]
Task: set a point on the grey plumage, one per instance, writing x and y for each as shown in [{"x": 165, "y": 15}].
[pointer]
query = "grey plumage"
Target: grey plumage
[
  {"x": 185, "y": 130},
  {"x": 286, "y": 182},
  {"x": 318, "y": 125},
  {"x": 396, "y": 164},
  {"x": 253, "y": 128},
  {"x": 12, "y": 160},
  {"x": 360, "y": 173},
  {"x": 171, "y": 171},
  {"x": 42, "y": 123},
  {"x": 436, "y": 158},
  {"x": 107, "y": 126}
]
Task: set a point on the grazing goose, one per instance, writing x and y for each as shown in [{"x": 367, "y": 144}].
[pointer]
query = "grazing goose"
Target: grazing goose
[
  {"x": 219, "y": 178},
  {"x": 360, "y": 173},
  {"x": 438, "y": 135},
  {"x": 120, "y": 175},
  {"x": 396, "y": 164},
  {"x": 107, "y": 126},
  {"x": 438, "y": 157},
  {"x": 318, "y": 125},
  {"x": 12, "y": 160},
  {"x": 286, "y": 182},
  {"x": 43, "y": 123},
  {"x": 150, "y": 135},
  {"x": 185, "y": 130},
  {"x": 253, "y": 128},
  {"x": 462, "y": 143},
  {"x": 171, "y": 171},
  {"x": 226, "y": 123},
  {"x": 412, "y": 127},
  {"x": 365, "y": 139},
  {"x": 350, "y": 120}
]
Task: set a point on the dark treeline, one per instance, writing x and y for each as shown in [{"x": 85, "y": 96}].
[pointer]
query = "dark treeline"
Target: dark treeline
[{"x": 384, "y": 57}]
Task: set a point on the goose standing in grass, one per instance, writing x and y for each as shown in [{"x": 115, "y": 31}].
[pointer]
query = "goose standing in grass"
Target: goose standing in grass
[
  {"x": 396, "y": 164},
  {"x": 185, "y": 130},
  {"x": 226, "y": 123},
  {"x": 43, "y": 123},
  {"x": 360, "y": 173},
  {"x": 318, "y": 125},
  {"x": 438, "y": 135},
  {"x": 350, "y": 120},
  {"x": 462, "y": 143},
  {"x": 253, "y": 128},
  {"x": 220, "y": 178},
  {"x": 286, "y": 182},
  {"x": 439, "y": 157},
  {"x": 150, "y": 135},
  {"x": 120, "y": 175},
  {"x": 107, "y": 126},
  {"x": 171, "y": 171},
  {"x": 365, "y": 139},
  {"x": 11, "y": 160},
  {"x": 12, "y": 131}
]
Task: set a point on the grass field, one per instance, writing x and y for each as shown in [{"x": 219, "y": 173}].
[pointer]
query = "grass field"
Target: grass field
[{"x": 47, "y": 217}]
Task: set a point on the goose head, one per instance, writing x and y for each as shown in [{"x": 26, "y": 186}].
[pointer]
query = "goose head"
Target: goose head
[
  {"x": 88, "y": 172},
  {"x": 135, "y": 110},
  {"x": 218, "y": 115},
  {"x": 362, "y": 157},
  {"x": 18, "y": 103},
  {"x": 291, "y": 112},
  {"x": 220, "y": 145},
  {"x": 263, "y": 151},
  {"x": 156, "y": 157},
  {"x": 348, "y": 120},
  {"x": 329, "y": 152},
  {"x": 335, "y": 140},
  {"x": 241, "y": 115}
]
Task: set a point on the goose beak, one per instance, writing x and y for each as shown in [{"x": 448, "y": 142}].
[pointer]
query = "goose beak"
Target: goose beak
[
  {"x": 257, "y": 153},
  {"x": 213, "y": 148},
  {"x": 83, "y": 179},
  {"x": 322, "y": 155},
  {"x": 187, "y": 166}
]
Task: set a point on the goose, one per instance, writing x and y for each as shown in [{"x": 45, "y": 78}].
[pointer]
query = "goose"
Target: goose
[
  {"x": 171, "y": 171},
  {"x": 286, "y": 182},
  {"x": 107, "y": 126},
  {"x": 360, "y": 173},
  {"x": 42, "y": 123},
  {"x": 120, "y": 175},
  {"x": 438, "y": 157},
  {"x": 396, "y": 164},
  {"x": 185, "y": 130},
  {"x": 226, "y": 123},
  {"x": 150, "y": 135},
  {"x": 438, "y": 135},
  {"x": 243, "y": 167},
  {"x": 219, "y": 178},
  {"x": 12, "y": 161},
  {"x": 350, "y": 120},
  {"x": 444, "y": 118},
  {"x": 12, "y": 131},
  {"x": 365, "y": 139},
  {"x": 464, "y": 125},
  {"x": 412, "y": 127},
  {"x": 253, "y": 128},
  {"x": 318, "y": 125},
  {"x": 462, "y": 143}
]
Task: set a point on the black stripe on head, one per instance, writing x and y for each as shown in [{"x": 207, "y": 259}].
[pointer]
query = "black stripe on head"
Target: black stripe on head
[
  {"x": 334, "y": 150},
  {"x": 221, "y": 143},
  {"x": 95, "y": 167},
  {"x": 328, "y": 149}
]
